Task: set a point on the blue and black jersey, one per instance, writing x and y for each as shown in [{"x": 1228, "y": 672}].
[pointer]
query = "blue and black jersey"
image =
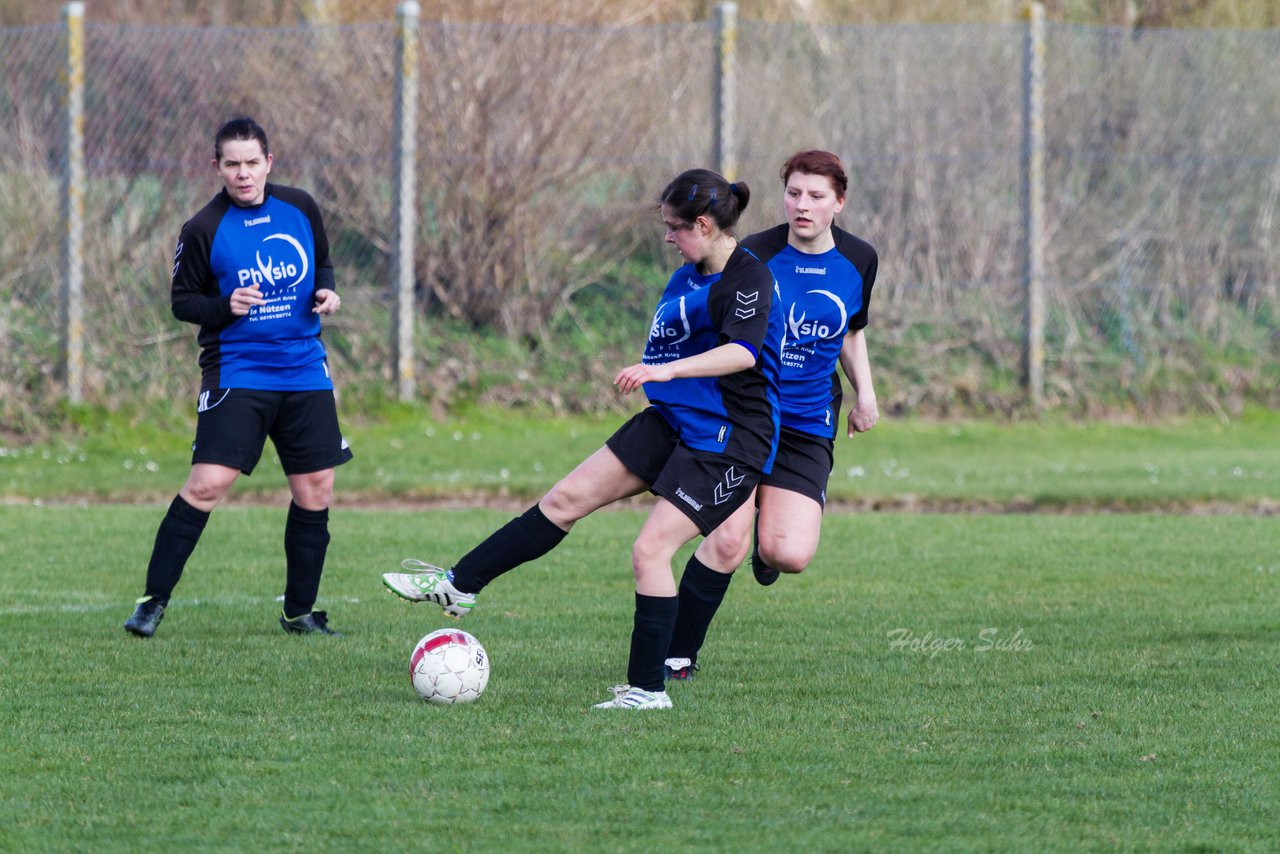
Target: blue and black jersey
[
  {"x": 824, "y": 297},
  {"x": 698, "y": 313},
  {"x": 280, "y": 246}
]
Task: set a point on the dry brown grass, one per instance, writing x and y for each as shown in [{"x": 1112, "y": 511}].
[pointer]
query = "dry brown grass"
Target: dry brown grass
[
  {"x": 1235, "y": 14},
  {"x": 540, "y": 150}
]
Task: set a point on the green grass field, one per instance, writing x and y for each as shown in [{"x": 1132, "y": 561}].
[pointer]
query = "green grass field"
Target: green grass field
[
  {"x": 960, "y": 681},
  {"x": 407, "y": 456}
]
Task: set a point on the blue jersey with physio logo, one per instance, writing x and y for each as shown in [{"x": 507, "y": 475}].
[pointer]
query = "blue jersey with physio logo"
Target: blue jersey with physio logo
[
  {"x": 698, "y": 313},
  {"x": 281, "y": 247},
  {"x": 824, "y": 297}
]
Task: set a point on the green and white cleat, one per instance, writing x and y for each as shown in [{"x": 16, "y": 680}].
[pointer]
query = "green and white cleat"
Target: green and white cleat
[
  {"x": 626, "y": 697},
  {"x": 425, "y": 582}
]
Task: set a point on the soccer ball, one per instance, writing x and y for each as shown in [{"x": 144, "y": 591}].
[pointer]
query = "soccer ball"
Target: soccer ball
[{"x": 449, "y": 666}]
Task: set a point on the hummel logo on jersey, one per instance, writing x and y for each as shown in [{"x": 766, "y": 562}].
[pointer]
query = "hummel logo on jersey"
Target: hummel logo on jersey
[
  {"x": 724, "y": 489},
  {"x": 812, "y": 271},
  {"x": 262, "y": 220},
  {"x": 747, "y": 299}
]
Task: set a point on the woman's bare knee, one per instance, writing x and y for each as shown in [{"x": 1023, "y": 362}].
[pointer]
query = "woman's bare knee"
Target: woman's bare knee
[
  {"x": 725, "y": 548},
  {"x": 207, "y": 485},
  {"x": 313, "y": 490},
  {"x": 562, "y": 506},
  {"x": 201, "y": 494},
  {"x": 785, "y": 556},
  {"x": 644, "y": 556}
]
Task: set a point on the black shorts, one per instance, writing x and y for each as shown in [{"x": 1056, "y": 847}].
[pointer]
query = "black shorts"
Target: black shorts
[
  {"x": 232, "y": 426},
  {"x": 706, "y": 486},
  {"x": 803, "y": 465}
]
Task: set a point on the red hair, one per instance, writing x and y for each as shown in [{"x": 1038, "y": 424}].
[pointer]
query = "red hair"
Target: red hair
[{"x": 815, "y": 162}]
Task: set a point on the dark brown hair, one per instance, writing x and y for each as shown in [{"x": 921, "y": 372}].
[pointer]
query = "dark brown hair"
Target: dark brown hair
[
  {"x": 817, "y": 162},
  {"x": 242, "y": 128},
  {"x": 699, "y": 192}
]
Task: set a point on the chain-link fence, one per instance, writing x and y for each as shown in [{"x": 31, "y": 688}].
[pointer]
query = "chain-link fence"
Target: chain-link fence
[{"x": 540, "y": 150}]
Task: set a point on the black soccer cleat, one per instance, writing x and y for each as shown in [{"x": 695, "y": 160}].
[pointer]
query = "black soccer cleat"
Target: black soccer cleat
[
  {"x": 314, "y": 623},
  {"x": 764, "y": 573},
  {"x": 146, "y": 617},
  {"x": 678, "y": 669}
]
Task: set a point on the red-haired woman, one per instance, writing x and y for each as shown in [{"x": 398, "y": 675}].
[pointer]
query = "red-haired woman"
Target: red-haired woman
[{"x": 824, "y": 276}]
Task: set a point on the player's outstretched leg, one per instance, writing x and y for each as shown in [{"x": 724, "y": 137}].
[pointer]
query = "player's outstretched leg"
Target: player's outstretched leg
[
  {"x": 525, "y": 538},
  {"x": 425, "y": 582}
]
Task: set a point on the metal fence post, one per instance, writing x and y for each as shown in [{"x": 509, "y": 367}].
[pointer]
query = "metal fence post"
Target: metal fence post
[
  {"x": 73, "y": 178},
  {"x": 404, "y": 172},
  {"x": 1032, "y": 200},
  {"x": 724, "y": 154},
  {"x": 317, "y": 12},
  {"x": 320, "y": 17}
]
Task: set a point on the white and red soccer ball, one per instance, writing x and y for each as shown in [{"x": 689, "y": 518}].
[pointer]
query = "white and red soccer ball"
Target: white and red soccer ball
[{"x": 449, "y": 666}]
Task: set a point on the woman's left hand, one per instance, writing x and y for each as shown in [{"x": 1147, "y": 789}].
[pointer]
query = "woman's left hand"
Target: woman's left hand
[
  {"x": 863, "y": 416},
  {"x": 327, "y": 301},
  {"x": 633, "y": 377}
]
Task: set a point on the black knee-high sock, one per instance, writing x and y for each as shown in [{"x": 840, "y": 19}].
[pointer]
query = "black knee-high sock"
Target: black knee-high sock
[
  {"x": 523, "y": 539},
  {"x": 175, "y": 541},
  {"x": 306, "y": 540},
  {"x": 650, "y": 637},
  {"x": 702, "y": 590}
]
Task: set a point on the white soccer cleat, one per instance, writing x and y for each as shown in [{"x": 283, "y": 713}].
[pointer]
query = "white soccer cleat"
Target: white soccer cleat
[
  {"x": 427, "y": 583},
  {"x": 626, "y": 697}
]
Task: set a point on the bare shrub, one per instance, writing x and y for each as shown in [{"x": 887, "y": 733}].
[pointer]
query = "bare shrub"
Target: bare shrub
[
  {"x": 524, "y": 194},
  {"x": 541, "y": 149}
]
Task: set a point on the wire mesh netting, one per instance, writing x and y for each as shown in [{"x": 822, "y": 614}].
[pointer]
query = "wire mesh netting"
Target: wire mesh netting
[{"x": 540, "y": 149}]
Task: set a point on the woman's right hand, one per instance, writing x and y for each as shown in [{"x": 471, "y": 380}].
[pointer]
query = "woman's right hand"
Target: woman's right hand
[{"x": 243, "y": 299}]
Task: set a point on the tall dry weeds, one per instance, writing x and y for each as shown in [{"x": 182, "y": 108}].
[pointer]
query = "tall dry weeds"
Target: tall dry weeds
[{"x": 541, "y": 149}]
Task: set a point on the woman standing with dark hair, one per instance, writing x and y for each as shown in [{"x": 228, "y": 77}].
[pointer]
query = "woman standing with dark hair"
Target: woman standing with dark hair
[
  {"x": 710, "y": 372},
  {"x": 264, "y": 371},
  {"x": 825, "y": 276}
]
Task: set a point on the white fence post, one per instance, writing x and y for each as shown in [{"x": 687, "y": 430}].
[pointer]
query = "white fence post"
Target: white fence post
[
  {"x": 724, "y": 150},
  {"x": 1033, "y": 203},
  {"x": 73, "y": 178},
  {"x": 404, "y": 193}
]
